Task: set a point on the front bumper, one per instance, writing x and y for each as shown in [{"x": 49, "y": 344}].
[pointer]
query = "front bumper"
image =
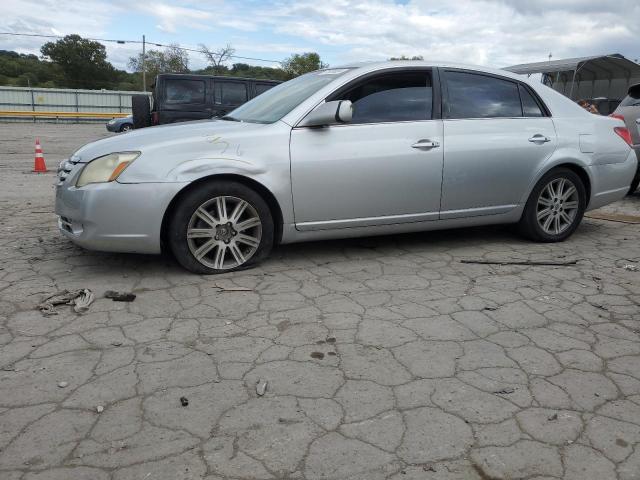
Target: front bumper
[
  {"x": 113, "y": 217},
  {"x": 113, "y": 127}
]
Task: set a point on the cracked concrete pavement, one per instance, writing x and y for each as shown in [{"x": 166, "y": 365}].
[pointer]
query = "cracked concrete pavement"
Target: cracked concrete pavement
[{"x": 385, "y": 358}]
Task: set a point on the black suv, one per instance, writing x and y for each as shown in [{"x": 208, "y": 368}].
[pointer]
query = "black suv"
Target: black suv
[{"x": 178, "y": 98}]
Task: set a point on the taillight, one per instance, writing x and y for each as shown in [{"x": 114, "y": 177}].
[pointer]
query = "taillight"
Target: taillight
[
  {"x": 625, "y": 134},
  {"x": 617, "y": 115},
  {"x": 154, "y": 118}
]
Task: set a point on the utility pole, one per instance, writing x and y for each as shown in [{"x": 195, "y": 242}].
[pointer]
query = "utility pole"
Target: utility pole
[{"x": 144, "y": 74}]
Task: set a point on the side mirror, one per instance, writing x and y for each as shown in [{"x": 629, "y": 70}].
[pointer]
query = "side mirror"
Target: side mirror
[{"x": 329, "y": 113}]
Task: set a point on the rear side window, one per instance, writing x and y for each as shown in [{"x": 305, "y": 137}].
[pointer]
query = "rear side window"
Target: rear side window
[
  {"x": 633, "y": 99},
  {"x": 394, "y": 97},
  {"x": 472, "y": 95},
  {"x": 530, "y": 107},
  {"x": 230, "y": 93},
  {"x": 263, "y": 87},
  {"x": 184, "y": 91}
]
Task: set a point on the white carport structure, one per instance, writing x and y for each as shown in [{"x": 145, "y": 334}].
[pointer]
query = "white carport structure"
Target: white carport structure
[{"x": 586, "y": 77}]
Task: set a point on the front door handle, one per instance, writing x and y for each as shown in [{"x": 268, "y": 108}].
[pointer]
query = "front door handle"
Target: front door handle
[
  {"x": 538, "y": 138},
  {"x": 425, "y": 144}
]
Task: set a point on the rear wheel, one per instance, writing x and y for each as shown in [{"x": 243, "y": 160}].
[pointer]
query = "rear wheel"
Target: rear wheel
[
  {"x": 220, "y": 227},
  {"x": 555, "y": 207}
]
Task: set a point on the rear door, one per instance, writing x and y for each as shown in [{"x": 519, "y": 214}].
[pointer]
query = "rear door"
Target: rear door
[
  {"x": 185, "y": 99},
  {"x": 228, "y": 95},
  {"x": 497, "y": 136}
]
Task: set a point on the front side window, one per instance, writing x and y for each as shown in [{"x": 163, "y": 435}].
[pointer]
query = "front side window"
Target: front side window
[
  {"x": 472, "y": 95},
  {"x": 230, "y": 93},
  {"x": 184, "y": 91},
  {"x": 394, "y": 97}
]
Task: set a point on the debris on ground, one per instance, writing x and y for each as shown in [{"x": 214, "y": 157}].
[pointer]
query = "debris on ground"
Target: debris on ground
[
  {"x": 553, "y": 417},
  {"x": 317, "y": 355},
  {"x": 63, "y": 384},
  {"x": 99, "y": 409},
  {"x": 120, "y": 296},
  {"x": 544, "y": 263},
  {"x": 233, "y": 289},
  {"x": 505, "y": 391},
  {"x": 184, "y": 401},
  {"x": 631, "y": 268},
  {"x": 80, "y": 299},
  {"x": 261, "y": 387}
]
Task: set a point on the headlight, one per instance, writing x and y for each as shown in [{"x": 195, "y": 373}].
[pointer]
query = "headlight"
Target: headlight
[
  {"x": 111, "y": 122},
  {"x": 106, "y": 169}
]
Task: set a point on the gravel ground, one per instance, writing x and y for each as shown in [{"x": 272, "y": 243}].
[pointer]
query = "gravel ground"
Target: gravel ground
[{"x": 384, "y": 358}]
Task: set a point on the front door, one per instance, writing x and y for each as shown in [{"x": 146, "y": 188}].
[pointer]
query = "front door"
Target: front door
[
  {"x": 383, "y": 167},
  {"x": 498, "y": 136}
]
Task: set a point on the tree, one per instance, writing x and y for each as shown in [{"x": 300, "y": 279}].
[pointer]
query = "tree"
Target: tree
[
  {"x": 300, "y": 63},
  {"x": 172, "y": 60},
  {"x": 84, "y": 62},
  {"x": 415, "y": 57},
  {"x": 216, "y": 58}
]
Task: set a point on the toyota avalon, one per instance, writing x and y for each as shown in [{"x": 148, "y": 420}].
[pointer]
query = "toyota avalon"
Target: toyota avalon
[{"x": 365, "y": 149}]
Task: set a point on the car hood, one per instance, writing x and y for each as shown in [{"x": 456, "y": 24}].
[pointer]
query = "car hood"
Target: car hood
[{"x": 165, "y": 136}]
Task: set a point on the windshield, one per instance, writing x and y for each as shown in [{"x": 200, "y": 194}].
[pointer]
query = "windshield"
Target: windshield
[{"x": 275, "y": 103}]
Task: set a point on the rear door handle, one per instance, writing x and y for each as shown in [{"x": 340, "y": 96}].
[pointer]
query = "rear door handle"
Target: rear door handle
[
  {"x": 425, "y": 144},
  {"x": 538, "y": 138}
]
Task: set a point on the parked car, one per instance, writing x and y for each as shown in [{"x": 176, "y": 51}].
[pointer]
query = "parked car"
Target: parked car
[
  {"x": 345, "y": 152},
  {"x": 178, "y": 97},
  {"x": 123, "y": 124},
  {"x": 629, "y": 112}
]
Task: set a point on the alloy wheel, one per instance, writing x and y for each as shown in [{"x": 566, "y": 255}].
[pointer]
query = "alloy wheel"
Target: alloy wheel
[
  {"x": 557, "y": 206},
  {"x": 224, "y": 232}
]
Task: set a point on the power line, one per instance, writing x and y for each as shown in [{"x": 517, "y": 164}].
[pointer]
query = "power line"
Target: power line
[{"x": 138, "y": 42}]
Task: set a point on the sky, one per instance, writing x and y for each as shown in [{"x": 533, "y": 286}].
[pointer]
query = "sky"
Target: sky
[{"x": 485, "y": 32}]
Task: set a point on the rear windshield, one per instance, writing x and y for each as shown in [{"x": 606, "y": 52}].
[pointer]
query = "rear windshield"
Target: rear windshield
[
  {"x": 275, "y": 103},
  {"x": 633, "y": 99}
]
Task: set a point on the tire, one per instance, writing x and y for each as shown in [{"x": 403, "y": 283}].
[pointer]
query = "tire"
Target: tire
[
  {"x": 141, "y": 110},
  {"x": 214, "y": 246},
  {"x": 126, "y": 127},
  {"x": 561, "y": 216},
  {"x": 634, "y": 186}
]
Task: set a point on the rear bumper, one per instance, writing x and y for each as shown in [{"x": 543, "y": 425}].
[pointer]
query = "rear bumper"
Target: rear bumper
[
  {"x": 115, "y": 217},
  {"x": 611, "y": 181}
]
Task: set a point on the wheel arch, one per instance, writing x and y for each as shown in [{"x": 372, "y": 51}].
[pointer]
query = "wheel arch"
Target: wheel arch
[
  {"x": 581, "y": 172},
  {"x": 575, "y": 167},
  {"x": 264, "y": 192}
]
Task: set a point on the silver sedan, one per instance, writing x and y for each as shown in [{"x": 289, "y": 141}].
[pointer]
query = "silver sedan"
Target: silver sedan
[{"x": 364, "y": 149}]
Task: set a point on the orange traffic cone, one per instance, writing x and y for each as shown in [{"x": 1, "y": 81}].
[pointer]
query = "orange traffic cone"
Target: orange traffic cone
[{"x": 39, "y": 165}]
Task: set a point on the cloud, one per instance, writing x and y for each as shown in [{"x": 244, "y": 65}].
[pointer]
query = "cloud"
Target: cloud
[{"x": 493, "y": 32}]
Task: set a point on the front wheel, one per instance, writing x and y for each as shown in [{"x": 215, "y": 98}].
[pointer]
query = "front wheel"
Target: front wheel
[
  {"x": 220, "y": 227},
  {"x": 555, "y": 207}
]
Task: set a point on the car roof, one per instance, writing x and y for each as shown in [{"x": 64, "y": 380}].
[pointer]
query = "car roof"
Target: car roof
[{"x": 372, "y": 66}]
